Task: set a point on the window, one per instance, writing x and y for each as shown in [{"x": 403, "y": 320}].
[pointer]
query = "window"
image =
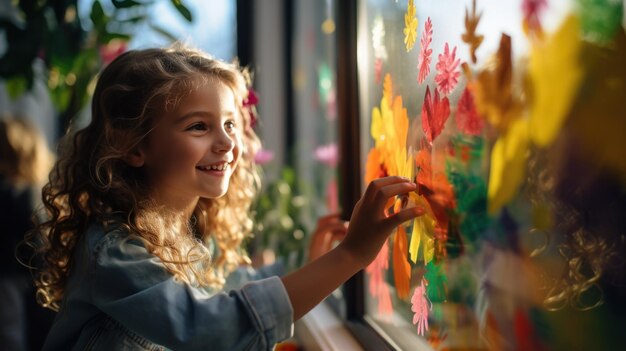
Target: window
[{"x": 463, "y": 250}]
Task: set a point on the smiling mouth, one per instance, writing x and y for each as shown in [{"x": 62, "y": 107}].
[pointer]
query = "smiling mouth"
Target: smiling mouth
[{"x": 214, "y": 168}]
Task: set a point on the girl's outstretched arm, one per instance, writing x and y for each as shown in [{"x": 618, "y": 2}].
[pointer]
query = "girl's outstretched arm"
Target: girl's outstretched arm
[{"x": 369, "y": 228}]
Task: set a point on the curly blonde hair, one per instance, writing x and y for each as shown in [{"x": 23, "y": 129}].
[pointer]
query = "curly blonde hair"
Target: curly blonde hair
[
  {"x": 588, "y": 203},
  {"x": 91, "y": 182}
]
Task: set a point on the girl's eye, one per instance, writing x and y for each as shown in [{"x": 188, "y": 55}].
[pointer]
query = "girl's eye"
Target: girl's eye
[
  {"x": 197, "y": 126},
  {"x": 230, "y": 125}
]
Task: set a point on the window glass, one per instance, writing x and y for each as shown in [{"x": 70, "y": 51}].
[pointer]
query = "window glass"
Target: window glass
[{"x": 463, "y": 269}]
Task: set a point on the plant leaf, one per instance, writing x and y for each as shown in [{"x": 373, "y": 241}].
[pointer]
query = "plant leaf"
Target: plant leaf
[{"x": 182, "y": 9}]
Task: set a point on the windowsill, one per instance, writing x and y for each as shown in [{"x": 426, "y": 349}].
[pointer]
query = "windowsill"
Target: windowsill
[{"x": 321, "y": 329}]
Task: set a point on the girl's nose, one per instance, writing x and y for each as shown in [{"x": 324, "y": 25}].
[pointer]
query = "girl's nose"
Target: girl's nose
[{"x": 223, "y": 143}]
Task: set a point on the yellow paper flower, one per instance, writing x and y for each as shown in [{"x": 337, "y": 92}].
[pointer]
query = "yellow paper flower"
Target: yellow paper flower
[
  {"x": 410, "y": 26},
  {"x": 389, "y": 128},
  {"x": 508, "y": 161},
  {"x": 556, "y": 74},
  {"x": 423, "y": 232}
]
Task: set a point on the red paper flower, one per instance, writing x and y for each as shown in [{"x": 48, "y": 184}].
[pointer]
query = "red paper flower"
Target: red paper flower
[
  {"x": 447, "y": 66},
  {"x": 423, "y": 62},
  {"x": 467, "y": 119},
  {"x": 435, "y": 113}
]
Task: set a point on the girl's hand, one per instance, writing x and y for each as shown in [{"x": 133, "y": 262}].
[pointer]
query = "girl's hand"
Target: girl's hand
[
  {"x": 370, "y": 226},
  {"x": 329, "y": 229}
]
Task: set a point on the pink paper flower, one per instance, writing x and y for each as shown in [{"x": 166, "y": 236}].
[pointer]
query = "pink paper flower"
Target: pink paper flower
[
  {"x": 263, "y": 156},
  {"x": 327, "y": 154},
  {"x": 447, "y": 66},
  {"x": 423, "y": 62},
  {"x": 420, "y": 305},
  {"x": 378, "y": 288}
]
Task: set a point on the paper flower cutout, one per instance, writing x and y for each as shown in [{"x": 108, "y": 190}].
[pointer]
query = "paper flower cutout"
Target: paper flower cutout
[
  {"x": 378, "y": 39},
  {"x": 420, "y": 305},
  {"x": 493, "y": 89},
  {"x": 378, "y": 288},
  {"x": 467, "y": 119},
  {"x": 435, "y": 113},
  {"x": 374, "y": 167},
  {"x": 532, "y": 9},
  {"x": 389, "y": 127},
  {"x": 556, "y": 74},
  {"x": 410, "y": 26},
  {"x": 447, "y": 66},
  {"x": 423, "y": 233},
  {"x": 470, "y": 37},
  {"x": 423, "y": 62},
  {"x": 401, "y": 267},
  {"x": 508, "y": 165}
]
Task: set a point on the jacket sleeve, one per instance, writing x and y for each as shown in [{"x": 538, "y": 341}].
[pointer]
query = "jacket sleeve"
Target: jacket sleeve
[
  {"x": 245, "y": 274},
  {"x": 133, "y": 287}
]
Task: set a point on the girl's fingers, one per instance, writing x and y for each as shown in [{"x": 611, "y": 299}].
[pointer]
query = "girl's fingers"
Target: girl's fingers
[
  {"x": 403, "y": 216},
  {"x": 377, "y": 184},
  {"x": 390, "y": 191}
]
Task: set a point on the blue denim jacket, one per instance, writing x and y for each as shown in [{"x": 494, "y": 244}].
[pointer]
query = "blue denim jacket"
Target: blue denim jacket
[{"x": 120, "y": 297}]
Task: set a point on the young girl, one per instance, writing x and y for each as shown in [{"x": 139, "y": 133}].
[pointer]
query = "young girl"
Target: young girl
[{"x": 148, "y": 207}]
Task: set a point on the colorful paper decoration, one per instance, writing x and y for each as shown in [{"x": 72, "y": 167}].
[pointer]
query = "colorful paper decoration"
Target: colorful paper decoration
[
  {"x": 467, "y": 119},
  {"x": 470, "y": 37},
  {"x": 556, "y": 73},
  {"x": 508, "y": 161},
  {"x": 435, "y": 113},
  {"x": 420, "y": 306},
  {"x": 448, "y": 68},
  {"x": 410, "y": 26},
  {"x": 423, "y": 63}
]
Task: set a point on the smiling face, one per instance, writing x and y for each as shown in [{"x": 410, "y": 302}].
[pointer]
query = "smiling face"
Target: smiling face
[{"x": 194, "y": 148}]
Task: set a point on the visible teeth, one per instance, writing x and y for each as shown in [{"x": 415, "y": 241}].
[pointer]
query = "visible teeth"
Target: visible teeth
[{"x": 214, "y": 167}]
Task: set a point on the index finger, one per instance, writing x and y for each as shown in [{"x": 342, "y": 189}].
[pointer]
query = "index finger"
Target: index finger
[
  {"x": 376, "y": 184},
  {"x": 388, "y": 191}
]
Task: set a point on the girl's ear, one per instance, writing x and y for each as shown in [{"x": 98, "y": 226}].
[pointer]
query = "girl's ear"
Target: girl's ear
[{"x": 135, "y": 157}]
